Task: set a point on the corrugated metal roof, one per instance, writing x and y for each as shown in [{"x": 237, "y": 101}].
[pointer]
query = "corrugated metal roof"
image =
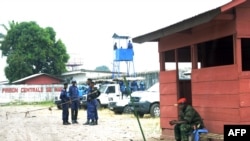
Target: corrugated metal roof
[
  {"x": 178, "y": 27},
  {"x": 33, "y": 76},
  {"x": 82, "y": 71},
  {"x": 186, "y": 24}
]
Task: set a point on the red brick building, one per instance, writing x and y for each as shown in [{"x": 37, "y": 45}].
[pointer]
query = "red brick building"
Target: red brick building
[
  {"x": 39, "y": 79},
  {"x": 217, "y": 44}
]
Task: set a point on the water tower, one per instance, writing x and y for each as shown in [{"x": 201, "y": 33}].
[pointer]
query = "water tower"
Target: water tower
[{"x": 123, "y": 55}]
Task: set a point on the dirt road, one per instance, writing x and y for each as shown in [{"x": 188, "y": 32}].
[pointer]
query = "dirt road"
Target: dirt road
[{"x": 46, "y": 125}]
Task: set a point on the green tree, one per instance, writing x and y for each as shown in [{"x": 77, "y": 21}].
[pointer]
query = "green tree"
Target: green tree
[
  {"x": 102, "y": 68},
  {"x": 31, "y": 49},
  {"x": 1, "y": 35}
]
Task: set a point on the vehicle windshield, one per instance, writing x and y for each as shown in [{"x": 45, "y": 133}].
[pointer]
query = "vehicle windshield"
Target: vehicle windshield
[
  {"x": 154, "y": 88},
  {"x": 102, "y": 88}
]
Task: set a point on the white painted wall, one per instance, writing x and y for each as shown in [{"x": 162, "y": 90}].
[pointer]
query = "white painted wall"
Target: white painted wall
[{"x": 28, "y": 93}]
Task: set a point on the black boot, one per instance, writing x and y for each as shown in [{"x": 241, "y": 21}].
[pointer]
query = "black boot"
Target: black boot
[
  {"x": 68, "y": 122},
  {"x": 96, "y": 122},
  {"x": 86, "y": 123},
  {"x": 92, "y": 122},
  {"x": 65, "y": 123}
]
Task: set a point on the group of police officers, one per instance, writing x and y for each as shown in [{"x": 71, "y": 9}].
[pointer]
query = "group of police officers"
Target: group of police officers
[
  {"x": 72, "y": 99},
  {"x": 189, "y": 119}
]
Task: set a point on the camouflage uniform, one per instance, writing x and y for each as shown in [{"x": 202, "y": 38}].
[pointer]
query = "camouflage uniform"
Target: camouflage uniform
[{"x": 189, "y": 114}]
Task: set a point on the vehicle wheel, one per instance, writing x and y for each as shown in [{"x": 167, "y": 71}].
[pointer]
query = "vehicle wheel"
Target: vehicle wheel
[
  {"x": 118, "y": 112},
  {"x": 141, "y": 115},
  {"x": 155, "y": 110},
  {"x": 127, "y": 110}
]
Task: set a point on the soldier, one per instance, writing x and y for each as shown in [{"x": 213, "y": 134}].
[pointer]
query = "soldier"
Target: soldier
[
  {"x": 189, "y": 120},
  {"x": 75, "y": 101},
  {"x": 65, "y": 104}
]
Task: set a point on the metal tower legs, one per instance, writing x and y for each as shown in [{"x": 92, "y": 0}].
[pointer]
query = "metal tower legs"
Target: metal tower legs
[{"x": 117, "y": 72}]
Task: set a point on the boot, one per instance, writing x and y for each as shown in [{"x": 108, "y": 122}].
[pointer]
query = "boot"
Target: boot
[
  {"x": 65, "y": 123},
  {"x": 96, "y": 122},
  {"x": 86, "y": 123},
  {"x": 68, "y": 122},
  {"x": 92, "y": 122}
]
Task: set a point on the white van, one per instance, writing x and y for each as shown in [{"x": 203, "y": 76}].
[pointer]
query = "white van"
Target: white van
[{"x": 108, "y": 91}]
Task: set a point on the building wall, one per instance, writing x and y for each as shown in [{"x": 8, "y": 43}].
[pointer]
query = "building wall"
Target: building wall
[
  {"x": 220, "y": 94},
  {"x": 43, "y": 79},
  {"x": 168, "y": 97},
  {"x": 29, "y": 93},
  {"x": 243, "y": 23},
  {"x": 79, "y": 77},
  {"x": 216, "y": 96},
  {"x": 82, "y": 76},
  {"x": 244, "y": 96}
]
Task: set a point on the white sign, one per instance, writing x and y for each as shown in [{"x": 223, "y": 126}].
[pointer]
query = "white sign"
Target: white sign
[{"x": 28, "y": 93}]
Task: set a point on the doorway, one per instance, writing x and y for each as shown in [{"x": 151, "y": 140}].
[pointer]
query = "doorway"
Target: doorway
[{"x": 180, "y": 60}]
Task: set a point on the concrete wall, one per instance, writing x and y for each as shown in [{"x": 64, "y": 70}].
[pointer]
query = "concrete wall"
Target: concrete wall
[{"x": 28, "y": 93}]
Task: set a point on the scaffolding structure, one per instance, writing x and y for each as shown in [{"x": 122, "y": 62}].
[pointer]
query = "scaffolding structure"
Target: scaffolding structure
[{"x": 74, "y": 64}]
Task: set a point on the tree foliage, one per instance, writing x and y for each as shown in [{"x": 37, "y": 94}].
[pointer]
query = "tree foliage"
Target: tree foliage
[
  {"x": 31, "y": 49},
  {"x": 102, "y": 68}
]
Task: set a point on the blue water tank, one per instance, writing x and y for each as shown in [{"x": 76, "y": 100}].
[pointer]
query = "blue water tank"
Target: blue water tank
[{"x": 124, "y": 54}]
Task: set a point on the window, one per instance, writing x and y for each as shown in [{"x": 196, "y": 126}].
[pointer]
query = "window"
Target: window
[
  {"x": 216, "y": 52},
  {"x": 111, "y": 89},
  {"x": 245, "y": 51}
]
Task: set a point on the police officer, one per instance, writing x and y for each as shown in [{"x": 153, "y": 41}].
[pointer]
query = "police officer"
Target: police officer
[
  {"x": 92, "y": 114},
  {"x": 89, "y": 80},
  {"x": 65, "y": 104},
  {"x": 189, "y": 120},
  {"x": 75, "y": 101}
]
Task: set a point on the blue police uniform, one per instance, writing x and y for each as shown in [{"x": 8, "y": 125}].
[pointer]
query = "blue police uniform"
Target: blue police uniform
[
  {"x": 88, "y": 112},
  {"x": 75, "y": 102},
  {"x": 134, "y": 86},
  {"x": 92, "y": 109},
  {"x": 65, "y": 106}
]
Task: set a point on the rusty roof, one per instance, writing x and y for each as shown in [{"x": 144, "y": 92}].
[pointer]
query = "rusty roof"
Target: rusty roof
[{"x": 34, "y": 76}]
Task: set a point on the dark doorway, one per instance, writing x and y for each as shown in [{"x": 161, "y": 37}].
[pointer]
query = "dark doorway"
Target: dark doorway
[
  {"x": 184, "y": 80},
  {"x": 183, "y": 58}
]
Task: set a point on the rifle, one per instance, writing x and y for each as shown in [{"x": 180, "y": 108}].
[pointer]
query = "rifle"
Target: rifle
[{"x": 94, "y": 94}]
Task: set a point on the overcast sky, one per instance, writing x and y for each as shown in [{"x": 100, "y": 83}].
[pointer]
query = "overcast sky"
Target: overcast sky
[{"x": 86, "y": 26}]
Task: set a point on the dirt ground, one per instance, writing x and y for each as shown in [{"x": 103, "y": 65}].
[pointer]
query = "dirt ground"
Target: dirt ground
[{"x": 41, "y": 124}]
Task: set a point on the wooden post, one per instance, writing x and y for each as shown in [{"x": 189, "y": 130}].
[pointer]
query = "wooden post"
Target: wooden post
[
  {"x": 194, "y": 56},
  {"x": 237, "y": 52},
  {"x": 177, "y": 72},
  {"x": 162, "y": 61}
]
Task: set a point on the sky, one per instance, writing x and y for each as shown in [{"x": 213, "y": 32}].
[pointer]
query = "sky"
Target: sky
[{"x": 86, "y": 26}]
